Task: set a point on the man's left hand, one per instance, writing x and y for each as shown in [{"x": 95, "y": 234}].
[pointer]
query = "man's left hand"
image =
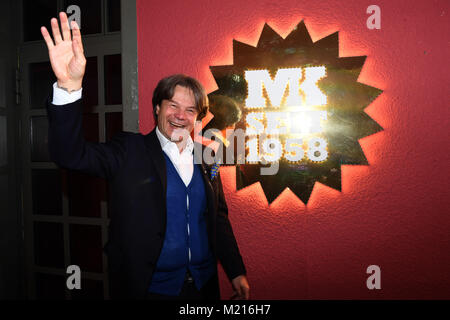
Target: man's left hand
[{"x": 241, "y": 288}]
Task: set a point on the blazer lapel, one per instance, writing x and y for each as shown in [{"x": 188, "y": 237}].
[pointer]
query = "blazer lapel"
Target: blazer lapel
[
  {"x": 210, "y": 201},
  {"x": 198, "y": 152},
  {"x": 156, "y": 154}
]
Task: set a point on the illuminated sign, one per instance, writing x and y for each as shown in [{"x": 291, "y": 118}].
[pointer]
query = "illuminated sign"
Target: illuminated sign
[
  {"x": 303, "y": 111},
  {"x": 298, "y": 117}
]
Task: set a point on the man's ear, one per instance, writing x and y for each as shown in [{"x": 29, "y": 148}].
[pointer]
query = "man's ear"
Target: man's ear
[{"x": 157, "y": 110}]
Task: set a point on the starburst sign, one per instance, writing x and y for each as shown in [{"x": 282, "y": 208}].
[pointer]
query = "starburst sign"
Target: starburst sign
[{"x": 303, "y": 109}]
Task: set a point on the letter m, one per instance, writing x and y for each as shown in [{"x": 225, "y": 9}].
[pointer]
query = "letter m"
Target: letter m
[{"x": 257, "y": 79}]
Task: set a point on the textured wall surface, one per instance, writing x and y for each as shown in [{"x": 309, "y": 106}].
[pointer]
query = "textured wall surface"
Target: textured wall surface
[{"x": 393, "y": 213}]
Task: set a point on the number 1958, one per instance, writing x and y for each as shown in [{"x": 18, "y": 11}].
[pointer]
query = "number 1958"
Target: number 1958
[{"x": 272, "y": 150}]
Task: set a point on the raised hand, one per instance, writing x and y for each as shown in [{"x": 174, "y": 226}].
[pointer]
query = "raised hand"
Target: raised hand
[{"x": 66, "y": 53}]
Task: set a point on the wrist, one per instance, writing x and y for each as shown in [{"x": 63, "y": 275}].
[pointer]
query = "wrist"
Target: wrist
[{"x": 69, "y": 86}]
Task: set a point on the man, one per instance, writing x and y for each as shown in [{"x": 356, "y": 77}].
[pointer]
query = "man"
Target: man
[{"x": 169, "y": 222}]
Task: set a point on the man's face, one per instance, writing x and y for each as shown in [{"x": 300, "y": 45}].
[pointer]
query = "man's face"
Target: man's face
[{"x": 177, "y": 116}]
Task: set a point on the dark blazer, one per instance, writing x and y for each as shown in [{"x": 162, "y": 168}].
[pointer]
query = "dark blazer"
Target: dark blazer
[{"x": 135, "y": 168}]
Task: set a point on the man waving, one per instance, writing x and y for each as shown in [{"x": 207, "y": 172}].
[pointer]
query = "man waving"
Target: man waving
[{"x": 169, "y": 221}]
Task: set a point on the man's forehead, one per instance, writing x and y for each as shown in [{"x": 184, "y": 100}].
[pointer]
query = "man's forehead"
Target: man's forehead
[
  {"x": 182, "y": 103},
  {"x": 183, "y": 96},
  {"x": 183, "y": 91}
]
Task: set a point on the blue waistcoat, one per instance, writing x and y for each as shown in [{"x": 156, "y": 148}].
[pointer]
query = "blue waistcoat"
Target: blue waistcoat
[{"x": 186, "y": 243}]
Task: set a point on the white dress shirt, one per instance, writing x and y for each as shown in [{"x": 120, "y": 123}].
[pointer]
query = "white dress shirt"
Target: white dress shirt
[
  {"x": 184, "y": 161},
  {"x": 61, "y": 96}
]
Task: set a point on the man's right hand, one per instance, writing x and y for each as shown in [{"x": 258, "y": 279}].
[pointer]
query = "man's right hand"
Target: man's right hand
[{"x": 66, "y": 54}]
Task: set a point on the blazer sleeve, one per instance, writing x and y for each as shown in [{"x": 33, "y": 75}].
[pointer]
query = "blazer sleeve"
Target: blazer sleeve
[
  {"x": 68, "y": 148},
  {"x": 227, "y": 248}
]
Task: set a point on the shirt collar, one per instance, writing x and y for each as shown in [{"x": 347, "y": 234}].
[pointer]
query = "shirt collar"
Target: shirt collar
[{"x": 167, "y": 144}]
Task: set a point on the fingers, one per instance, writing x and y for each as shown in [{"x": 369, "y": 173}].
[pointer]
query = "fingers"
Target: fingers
[
  {"x": 239, "y": 291},
  {"x": 65, "y": 31},
  {"x": 55, "y": 31},
  {"x": 243, "y": 292},
  {"x": 47, "y": 38},
  {"x": 76, "y": 35},
  {"x": 241, "y": 288},
  {"x": 77, "y": 51},
  {"x": 64, "y": 25},
  {"x": 246, "y": 292}
]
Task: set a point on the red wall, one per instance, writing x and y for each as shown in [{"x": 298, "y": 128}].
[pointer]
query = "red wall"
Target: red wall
[{"x": 393, "y": 213}]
